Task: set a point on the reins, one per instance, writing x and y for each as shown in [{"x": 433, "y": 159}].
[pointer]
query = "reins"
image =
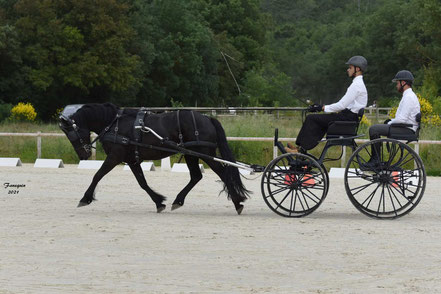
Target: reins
[{"x": 106, "y": 129}]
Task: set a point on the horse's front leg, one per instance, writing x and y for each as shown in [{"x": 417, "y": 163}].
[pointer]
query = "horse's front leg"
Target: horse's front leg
[
  {"x": 195, "y": 177},
  {"x": 108, "y": 164},
  {"x": 139, "y": 175}
]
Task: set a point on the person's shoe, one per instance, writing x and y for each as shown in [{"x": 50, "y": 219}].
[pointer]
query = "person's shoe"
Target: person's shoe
[{"x": 291, "y": 148}]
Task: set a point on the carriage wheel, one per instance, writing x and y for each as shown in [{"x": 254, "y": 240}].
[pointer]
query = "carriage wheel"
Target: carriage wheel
[
  {"x": 391, "y": 186},
  {"x": 294, "y": 185}
]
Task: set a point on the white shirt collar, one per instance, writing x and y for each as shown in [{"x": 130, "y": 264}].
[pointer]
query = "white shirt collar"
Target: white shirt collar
[{"x": 408, "y": 91}]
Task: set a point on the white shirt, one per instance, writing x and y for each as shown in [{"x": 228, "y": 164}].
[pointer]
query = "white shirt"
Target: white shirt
[
  {"x": 407, "y": 110},
  {"x": 355, "y": 98}
]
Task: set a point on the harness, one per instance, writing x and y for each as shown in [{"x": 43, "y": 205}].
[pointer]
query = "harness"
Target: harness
[{"x": 139, "y": 127}]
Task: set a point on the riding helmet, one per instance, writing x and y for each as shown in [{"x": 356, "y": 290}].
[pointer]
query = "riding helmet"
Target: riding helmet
[
  {"x": 359, "y": 61},
  {"x": 403, "y": 75}
]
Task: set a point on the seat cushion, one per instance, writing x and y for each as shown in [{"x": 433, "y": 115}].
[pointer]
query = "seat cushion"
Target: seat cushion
[{"x": 342, "y": 128}]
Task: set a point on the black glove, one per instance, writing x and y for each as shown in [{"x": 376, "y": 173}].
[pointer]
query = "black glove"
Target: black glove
[
  {"x": 315, "y": 107},
  {"x": 387, "y": 121}
]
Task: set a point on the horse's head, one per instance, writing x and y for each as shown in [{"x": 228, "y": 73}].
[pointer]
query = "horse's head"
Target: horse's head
[{"x": 79, "y": 136}]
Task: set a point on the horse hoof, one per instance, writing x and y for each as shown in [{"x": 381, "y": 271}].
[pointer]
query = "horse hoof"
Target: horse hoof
[
  {"x": 160, "y": 208},
  {"x": 81, "y": 204},
  {"x": 176, "y": 206},
  {"x": 239, "y": 210}
]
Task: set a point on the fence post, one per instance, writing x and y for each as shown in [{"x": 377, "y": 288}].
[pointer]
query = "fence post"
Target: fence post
[
  {"x": 417, "y": 151},
  {"x": 275, "y": 152},
  {"x": 38, "y": 144},
  {"x": 377, "y": 113},
  {"x": 343, "y": 157}
]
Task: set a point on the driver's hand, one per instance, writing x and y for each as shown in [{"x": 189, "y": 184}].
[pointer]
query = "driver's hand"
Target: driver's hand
[{"x": 315, "y": 107}]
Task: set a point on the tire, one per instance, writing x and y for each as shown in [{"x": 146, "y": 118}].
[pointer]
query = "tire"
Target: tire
[
  {"x": 389, "y": 187},
  {"x": 294, "y": 185}
]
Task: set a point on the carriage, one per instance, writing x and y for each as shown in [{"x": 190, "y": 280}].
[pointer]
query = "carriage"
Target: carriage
[
  {"x": 295, "y": 185},
  {"x": 292, "y": 184}
]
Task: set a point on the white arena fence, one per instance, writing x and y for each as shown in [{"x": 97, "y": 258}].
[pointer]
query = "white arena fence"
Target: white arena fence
[{"x": 39, "y": 135}]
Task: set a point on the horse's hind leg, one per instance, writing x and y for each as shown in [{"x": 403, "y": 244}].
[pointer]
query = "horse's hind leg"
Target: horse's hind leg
[
  {"x": 219, "y": 169},
  {"x": 139, "y": 175},
  {"x": 108, "y": 165},
  {"x": 195, "y": 177}
]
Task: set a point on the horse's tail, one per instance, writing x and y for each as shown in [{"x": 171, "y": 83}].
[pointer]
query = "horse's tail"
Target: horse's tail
[{"x": 232, "y": 182}]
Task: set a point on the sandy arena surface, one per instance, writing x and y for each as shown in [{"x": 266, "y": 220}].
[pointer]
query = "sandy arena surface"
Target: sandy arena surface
[{"x": 119, "y": 244}]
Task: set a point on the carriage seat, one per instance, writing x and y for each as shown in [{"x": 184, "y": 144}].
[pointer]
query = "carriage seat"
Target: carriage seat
[
  {"x": 344, "y": 129},
  {"x": 394, "y": 131}
]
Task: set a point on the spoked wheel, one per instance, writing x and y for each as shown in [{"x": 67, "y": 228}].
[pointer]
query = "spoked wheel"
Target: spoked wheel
[
  {"x": 389, "y": 186},
  {"x": 294, "y": 185}
]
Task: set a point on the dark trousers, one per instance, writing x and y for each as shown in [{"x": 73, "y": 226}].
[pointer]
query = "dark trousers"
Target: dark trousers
[
  {"x": 316, "y": 125},
  {"x": 376, "y": 131}
]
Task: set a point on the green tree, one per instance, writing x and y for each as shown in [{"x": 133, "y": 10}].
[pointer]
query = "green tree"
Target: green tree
[
  {"x": 240, "y": 29},
  {"x": 427, "y": 26},
  {"x": 178, "y": 53},
  {"x": 13, "y": 87},
  {"x": 268, "y": 87},
  {"x": 75, "y": 51}
]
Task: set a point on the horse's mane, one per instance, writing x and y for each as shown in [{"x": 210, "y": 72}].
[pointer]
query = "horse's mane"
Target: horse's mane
[
  {"x": 131, "y": 111},
  {"x": 96, "y": 111}
]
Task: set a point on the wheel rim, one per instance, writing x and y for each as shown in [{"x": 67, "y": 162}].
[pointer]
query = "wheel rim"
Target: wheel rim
[
  {"x": 389, "y": 187},
  {"x": 294, "y": 185}
]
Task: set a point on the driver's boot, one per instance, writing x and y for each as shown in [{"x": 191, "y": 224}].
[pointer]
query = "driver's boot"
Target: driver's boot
[{"x": 291, "y": 148}]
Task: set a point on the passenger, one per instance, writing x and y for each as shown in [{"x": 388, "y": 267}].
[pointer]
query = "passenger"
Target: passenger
[
  {"x": 407, "y": 110},
  {"x": 316, "y": 125}
]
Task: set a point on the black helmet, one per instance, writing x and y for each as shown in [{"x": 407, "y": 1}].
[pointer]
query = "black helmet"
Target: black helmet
[
  {"x": 359, "y": 61},
  {"x": 403, "y": 75}
]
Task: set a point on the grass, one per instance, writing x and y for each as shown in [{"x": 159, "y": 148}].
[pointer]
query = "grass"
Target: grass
[{"x": 261, "y": 125}]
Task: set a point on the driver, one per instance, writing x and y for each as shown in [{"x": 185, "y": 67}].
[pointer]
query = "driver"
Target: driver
[
  {"x": 406, "y": 113},
  {"x": 316, "y": 125}
]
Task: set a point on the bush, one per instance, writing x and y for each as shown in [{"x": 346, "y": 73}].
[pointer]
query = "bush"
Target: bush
[
  {"x": 365, "y": 121},
  {"x": 428, "y": 116},
  {"x": 23, "y": 112},
  {"x": 5, "y": 111}
]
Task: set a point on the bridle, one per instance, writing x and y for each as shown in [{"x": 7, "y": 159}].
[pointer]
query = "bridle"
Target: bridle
[{"x": 72, "y": 132}]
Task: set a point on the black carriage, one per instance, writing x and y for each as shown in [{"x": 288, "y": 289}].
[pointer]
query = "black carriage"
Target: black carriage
[{"x": 294, "y": 185}]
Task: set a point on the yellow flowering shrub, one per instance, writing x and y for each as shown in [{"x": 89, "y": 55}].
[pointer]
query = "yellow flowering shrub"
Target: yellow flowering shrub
[
  {"x": 428, "y": 117},
  {"x": 365, "y": 121},
  {"x": 23, "y": 112}
]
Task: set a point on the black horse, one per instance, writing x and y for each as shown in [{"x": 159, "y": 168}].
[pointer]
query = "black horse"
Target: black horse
[{"x": 122, "y": 142}]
